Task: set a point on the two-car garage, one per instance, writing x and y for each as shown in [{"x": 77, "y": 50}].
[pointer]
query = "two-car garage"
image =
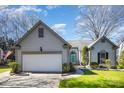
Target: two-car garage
[
  {"x": 42, "y": 62},
  {"x": 41, "y": 50}
]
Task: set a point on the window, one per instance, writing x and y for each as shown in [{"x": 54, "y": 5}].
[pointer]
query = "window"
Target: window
[
  {"x": 103, "y": 40},
  {"x": 40, "y": 32},
  {"x": 102, "y": 56}
]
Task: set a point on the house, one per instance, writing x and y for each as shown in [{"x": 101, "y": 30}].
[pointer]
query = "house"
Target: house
[
  {"x": 98, "y": 51},
  {"x": 42, "y": 50}
]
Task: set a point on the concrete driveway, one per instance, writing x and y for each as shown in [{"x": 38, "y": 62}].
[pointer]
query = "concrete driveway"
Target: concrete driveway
[{"x": 36, "y": 80}]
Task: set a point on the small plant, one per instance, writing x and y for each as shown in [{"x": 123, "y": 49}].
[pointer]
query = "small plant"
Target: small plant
[
  {"x": 66, "y": 67},
  {"x": 108, "y": 63},
  {"x": 14, "y": 66},
  {"x": 113, "y": 67},
  {"x": 120, "y": 67},
  {"x": 94, "y": 65},
  {"x": 102, "y": 66}
]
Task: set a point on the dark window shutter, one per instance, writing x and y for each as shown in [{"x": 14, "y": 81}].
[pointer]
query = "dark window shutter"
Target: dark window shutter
[
  {"x": 40, "y": 32},
  {"x": 98, "y": 58},
  {"x": 106, "y": 55}
]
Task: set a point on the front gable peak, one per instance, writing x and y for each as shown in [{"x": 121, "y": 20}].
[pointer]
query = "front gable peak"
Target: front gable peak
[
  {"x": 46, "y": 26},
  {"x": 102, "y": 39}
]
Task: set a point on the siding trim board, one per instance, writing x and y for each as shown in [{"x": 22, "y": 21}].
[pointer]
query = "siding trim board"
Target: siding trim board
[{"x": 44, "y": 52}]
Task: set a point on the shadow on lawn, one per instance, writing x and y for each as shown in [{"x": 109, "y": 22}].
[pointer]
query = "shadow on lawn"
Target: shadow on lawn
[{"x": 89, "y": 72}]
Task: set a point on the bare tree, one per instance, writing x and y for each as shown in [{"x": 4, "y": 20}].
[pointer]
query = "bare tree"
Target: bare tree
[
  {"x": 13, "y": 26},
  {"x": 101, "y": 20},
  {"x": 120, "y": 43},
  {"x": 21, "y": 24}
]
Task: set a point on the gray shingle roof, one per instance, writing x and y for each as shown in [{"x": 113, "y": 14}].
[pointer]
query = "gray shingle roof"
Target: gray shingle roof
[
  {"x": 45, "y": 25},
  {"x": 80, "y": 43},
  {"x": 102, "y": 37}
]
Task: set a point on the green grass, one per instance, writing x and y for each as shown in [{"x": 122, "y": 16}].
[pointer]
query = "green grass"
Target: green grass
[
  {"x": 4, "y": 69},
  {"x": 95, "y": 79}
]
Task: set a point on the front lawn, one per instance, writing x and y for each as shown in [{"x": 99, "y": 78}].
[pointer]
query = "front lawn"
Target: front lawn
[
  {"x": 4, "y": 69},
  {"x": 95, "y": 79}
]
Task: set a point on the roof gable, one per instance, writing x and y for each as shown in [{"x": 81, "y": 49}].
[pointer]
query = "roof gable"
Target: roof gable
[
  {"x": 80, "y": 43},
  {"x": 103, "y": 37},
  {"x": 49, "y": 29}
]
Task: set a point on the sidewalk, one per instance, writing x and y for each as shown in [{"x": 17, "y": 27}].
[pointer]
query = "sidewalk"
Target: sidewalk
[
  {"x": 77, "y": 73},
  {"x": 4, "y": 76}
]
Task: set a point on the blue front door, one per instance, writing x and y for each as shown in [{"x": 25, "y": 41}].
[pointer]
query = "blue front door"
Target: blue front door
[{"x": 73, "y": 57}]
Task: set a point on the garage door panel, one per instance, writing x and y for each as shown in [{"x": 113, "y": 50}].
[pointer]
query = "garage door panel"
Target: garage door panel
[{"x": 42, "y": 62}]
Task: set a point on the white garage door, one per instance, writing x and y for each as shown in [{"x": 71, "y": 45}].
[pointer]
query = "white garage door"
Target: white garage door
[{"x": 42, "y": 62}]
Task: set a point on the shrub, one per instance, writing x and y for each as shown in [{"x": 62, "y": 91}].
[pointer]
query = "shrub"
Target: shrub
[
  {"x": 14, "y": 66},
  {"x": 113, "y": 67},
  {"x": 94, "y": 65},
  {"x": 102, "y": 66},
  {"x": 72, "y": 67},
  {"x": 85, "y": 55},
  {"x": 120, "y": 67},
  {"x": 121, "y": 60},
  {"x": 68, "y": 67},
  {"x": 108, "y": 63},
  {"x": 65, "y": 67}
]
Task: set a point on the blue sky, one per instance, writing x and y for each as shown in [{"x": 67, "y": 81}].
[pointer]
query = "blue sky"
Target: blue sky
[
  {"x": 59, "y": 18},
  {"x": 66, "y": 20},
  {"x": 63, "y": 15}
]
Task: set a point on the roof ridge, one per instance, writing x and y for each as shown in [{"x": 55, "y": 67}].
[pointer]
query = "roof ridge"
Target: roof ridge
[{"x": 44, "y": 24}]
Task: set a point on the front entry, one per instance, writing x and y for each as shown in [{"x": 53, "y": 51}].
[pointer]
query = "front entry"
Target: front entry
[
  {"x": 73, "y": 57},
  {"x": 102, "y": 56}
]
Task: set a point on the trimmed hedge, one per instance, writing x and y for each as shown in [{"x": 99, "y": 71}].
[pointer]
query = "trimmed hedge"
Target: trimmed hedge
[
  {"x": 14, "y": 66},
  {"x": 68, "y": 67},
  {"x": 120, "y": 67},
  {"x": 65, "y": 67},
  {"x": 113, "y": 67},
  {"x": 94, "y": 65},
  {"x": 102, "y": 66},
  {"x": 108, "y": 63}
]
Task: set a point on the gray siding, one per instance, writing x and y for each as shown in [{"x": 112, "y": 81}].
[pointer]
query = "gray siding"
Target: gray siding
[
  {"x": 48, "y": 43},
  {"x": 102, "y": 46}
]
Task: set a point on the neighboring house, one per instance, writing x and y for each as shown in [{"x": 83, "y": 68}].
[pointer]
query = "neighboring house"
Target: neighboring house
[
  {"x": 42, "y": 50},
  {"x": 99, "y": 50},
  {"x": 10, "y": 55}
]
